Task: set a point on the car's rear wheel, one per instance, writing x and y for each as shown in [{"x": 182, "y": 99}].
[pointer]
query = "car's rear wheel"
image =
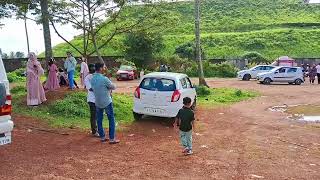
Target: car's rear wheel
[
  {"x": 137, "y": 116},
  {"x": 298, "y": 81},
  {"x": 267, "y": 81},
  {"x": 246, "y": 77}
]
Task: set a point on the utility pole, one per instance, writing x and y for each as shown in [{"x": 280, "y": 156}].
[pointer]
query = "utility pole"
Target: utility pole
[{"x": 202, "y": 80}]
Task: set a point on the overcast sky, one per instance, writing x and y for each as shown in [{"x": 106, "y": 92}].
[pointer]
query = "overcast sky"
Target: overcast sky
[
  {"x": 13, "y": 38},
  {"x": 314, "y": 1}
]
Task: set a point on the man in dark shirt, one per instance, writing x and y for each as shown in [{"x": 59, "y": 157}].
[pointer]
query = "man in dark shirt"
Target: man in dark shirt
[{"x": 185, "y": 121}]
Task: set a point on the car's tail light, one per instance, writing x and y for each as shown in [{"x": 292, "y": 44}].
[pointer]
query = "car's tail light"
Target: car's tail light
[
  {"x": 7, "y": 107},
  {"x": 137, "y": 93},
  {"x": 175, "y": 96}
]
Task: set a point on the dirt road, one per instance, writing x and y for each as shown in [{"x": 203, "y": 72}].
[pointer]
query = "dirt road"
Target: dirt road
[{"x": 244, "y": 141}]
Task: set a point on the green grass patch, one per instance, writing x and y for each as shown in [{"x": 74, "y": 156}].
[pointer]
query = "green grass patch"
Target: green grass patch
[
  {"x": 222, "y": 96},
  {"x": 72, "y": 111}
]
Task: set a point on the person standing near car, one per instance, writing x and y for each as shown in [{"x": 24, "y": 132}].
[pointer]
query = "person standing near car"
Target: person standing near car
[
  {"x": 312, "y": 73},
  {"x": 102, "y": 88},
  {"x": 35, "y": 91},
  {"x": 185, "y": 121},
  {"x": 70, "y": 66},
  {"x": 318, "y": 72},
  {"x": 91, "y": 101},
  {"x": 84, "y": 70}
]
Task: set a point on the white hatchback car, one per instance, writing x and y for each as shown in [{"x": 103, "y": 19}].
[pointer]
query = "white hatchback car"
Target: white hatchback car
[
  {"x": 291, "y": 75},
  {"x": 252, "y": 73},
  {"x": 161, "y": 94},
  {"x": 6, "y": 125}
]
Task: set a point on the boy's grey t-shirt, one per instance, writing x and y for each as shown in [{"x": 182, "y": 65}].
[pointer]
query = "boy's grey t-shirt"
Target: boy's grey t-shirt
[{"x": 101, "y": 87}]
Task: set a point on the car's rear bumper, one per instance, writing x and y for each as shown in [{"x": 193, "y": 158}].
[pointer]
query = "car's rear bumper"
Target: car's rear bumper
[
  {"x": 158, "y": 111},
  {"x": 6, "y": 125}
]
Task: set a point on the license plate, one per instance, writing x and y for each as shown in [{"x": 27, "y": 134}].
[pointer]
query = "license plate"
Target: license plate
[
  {"x": 153, "y": 110},
  {"x": 123, "y": 75},
  {"x": 5, "y": 140}
]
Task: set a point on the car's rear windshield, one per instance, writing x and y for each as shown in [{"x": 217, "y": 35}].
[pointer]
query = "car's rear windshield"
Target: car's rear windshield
[
  {"x": 158, "y": 84},
  {"x": 126, "y": 68}
]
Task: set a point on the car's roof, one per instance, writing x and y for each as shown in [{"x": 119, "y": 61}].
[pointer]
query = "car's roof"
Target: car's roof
[{"x": 168, "y": 75}]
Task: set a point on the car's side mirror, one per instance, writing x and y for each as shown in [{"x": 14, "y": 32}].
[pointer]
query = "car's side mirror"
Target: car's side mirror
[
  {"x": 253, "y": 69},
  {"x": 276, "y": 72}
]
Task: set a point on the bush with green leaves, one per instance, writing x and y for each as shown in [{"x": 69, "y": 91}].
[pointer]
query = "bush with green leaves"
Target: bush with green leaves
[
  {"x": 202, "y": 91},
  {"x": 255, "y": 57},
  {"x": 17, "y": 75},
  {"x": 142, "y": 47},
  {"x": 224, "y": 70}
]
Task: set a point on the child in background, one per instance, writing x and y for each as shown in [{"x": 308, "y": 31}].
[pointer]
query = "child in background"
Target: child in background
[
  {"x": 91, "y": 100},
  {"x": 52, "y": 80},
  {"x": 62, "y": 77},
  {"x": 185, "y": 121}
]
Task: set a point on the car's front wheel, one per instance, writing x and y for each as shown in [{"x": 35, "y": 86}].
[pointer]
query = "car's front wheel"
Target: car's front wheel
[
  {"x": 298, "y": 81},
  {"x": 267, "y": 81},
  {"x": 137, "y": 116},
  {"x": 246, "y": 77}
]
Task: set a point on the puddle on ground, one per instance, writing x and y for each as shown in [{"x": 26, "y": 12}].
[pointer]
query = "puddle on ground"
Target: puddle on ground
[{"x": 307, "y": 113}]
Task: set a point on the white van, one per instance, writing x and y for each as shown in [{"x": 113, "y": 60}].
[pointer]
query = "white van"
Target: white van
[
  {"x": 161, "y": 94},
  {"x": 6, "y": 125}
]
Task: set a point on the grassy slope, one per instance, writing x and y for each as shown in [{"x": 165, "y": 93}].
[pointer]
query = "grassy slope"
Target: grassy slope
[{"x": 231, "y": 28}]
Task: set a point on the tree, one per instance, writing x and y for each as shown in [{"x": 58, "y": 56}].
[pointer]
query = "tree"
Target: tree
[
  {"x": 19, "y": 54},
  {"x": 21, "y": 7},
  {"x": 112, "y": 16},
  {"x": 202, "y": 80},
  {"x": 46, "y": 28},
  {"x": 12, "y": 55},
  {"x": 188, "y": 51},
  {"x": 5, "y": 56},
  {"x": 255, "y": 57},
  {"x": 141, "y": 47}
]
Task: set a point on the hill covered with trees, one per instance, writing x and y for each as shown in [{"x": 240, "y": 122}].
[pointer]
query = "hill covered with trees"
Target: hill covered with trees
[{"x": 232, "y": 28}]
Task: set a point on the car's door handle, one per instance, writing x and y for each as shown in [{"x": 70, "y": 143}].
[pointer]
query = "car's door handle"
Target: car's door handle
[{"x": 143, "y": 93}]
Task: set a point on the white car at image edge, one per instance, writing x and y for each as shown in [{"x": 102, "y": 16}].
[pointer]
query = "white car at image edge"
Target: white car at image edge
[
  {"x": 161, "y": 94},
  {"x": 252, "y": 73},
  {"x": 6, "y": 125},
  {"x": 291, "y": 75}
]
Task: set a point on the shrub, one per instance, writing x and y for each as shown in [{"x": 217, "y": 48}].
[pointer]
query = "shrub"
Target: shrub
[
  {"x": 15, "y": 76},
  {"x": 203, "y": 91},
  {"x": 18, "y": 90},
  {"x": 213, "y": 70},
  {"x": 71, "y": 106}
]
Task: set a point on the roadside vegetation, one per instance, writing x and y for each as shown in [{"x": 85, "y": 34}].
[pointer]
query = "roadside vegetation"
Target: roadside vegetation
[
  {"x": 233, "y": 28},
  {"x": 71, "y": 109}
]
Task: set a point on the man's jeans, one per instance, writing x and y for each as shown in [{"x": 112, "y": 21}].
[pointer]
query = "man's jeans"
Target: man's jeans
[
  {"x": 186, "y": 139},
  {"x": 70, "y": 78},
  {"x": 110, "y": 114}
]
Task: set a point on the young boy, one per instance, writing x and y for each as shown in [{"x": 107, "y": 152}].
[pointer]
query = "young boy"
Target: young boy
[
  {"x": 91, "y": 101},
  {"x": 185, "y": 121}
]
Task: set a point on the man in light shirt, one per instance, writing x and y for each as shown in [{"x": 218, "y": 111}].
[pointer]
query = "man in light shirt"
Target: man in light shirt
[
  {"x": 318, "y": 72},
  {"x": 70, "y": 66},
  {"x": 91, "y": 101},
  {"x": 102, "y": 88}
]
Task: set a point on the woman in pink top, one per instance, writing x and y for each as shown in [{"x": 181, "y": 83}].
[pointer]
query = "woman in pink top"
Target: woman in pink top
[
  {"x": 35, "y": 95},
  {"x": 84, "y": 71},
  {"x": 52, "y": 81}
]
